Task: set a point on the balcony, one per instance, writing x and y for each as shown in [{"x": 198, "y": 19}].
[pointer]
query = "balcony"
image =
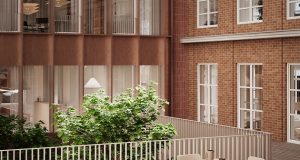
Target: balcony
[{"x": 193, "y": 138}]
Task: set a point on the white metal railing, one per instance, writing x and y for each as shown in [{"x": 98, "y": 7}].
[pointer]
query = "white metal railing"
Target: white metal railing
[
  {"x": 238, "y": 147},
  {"x": 123, "y": 25},
  {"x": 66, "y": 24},
  {"x": 193, "y": 137}
]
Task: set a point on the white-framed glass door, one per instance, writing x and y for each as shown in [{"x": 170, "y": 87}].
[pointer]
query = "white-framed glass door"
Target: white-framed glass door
[
  {"x": 293, "y": 101},
  {"x": 207, "y": 92},
  {"x": 249, "y": 95}
]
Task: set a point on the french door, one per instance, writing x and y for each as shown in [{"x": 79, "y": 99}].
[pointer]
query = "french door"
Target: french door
[
  {"x": 207, "y": 88},
  {"x": 249, "y": 94},
  {"x": 293, "y": 95}
]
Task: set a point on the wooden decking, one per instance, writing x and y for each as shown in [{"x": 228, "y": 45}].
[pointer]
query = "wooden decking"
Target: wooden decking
[{"x": 285, "y": 151}]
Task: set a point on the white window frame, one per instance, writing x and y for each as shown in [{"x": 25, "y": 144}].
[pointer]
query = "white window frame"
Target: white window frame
[
  {"x": 288, "y": 2},
  {"x": 207, "y": 15},
  {"x": 289, "y": 103},
  {"x": 251, "y": 7},
  {"x": 209, "y": 105},
  {"x": 251, "y": 87}
]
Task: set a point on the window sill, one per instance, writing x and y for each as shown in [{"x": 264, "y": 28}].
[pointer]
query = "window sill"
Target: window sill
[
  {"x": 250, "y": 22},
  {"x": 293, "y": 18},
  {"x": 210, "y": 26}
]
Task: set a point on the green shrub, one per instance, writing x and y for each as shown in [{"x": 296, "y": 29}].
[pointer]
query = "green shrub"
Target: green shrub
[
  {"x": 130, "y": 117},
  {"x": 16, "y": 133}
]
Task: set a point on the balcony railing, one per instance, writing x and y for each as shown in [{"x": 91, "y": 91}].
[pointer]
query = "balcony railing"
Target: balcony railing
[
  {"x": 123, "y": 25},
  {"x": 227, "y": 142},
  {"x": 66, "y": 24}
]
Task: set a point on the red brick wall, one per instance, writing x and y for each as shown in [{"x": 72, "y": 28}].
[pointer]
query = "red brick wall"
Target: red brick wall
[
  {"x": 274, "y": 54},
  {"x": 274, "y": 18}
]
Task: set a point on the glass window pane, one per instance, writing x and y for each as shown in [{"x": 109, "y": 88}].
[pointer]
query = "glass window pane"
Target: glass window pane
[
  {"x": 203, "y": 71},
  {"x": 213, "y": 5},
  {"x": 66, "y": 86},
  {"x": 295, "y": 127},
  {"x": 244, "y": 3},
  {"x": 123, "y": 78},
  {"x": 151, "y": 74},
  {"x": 95, "y": 16},
  {"x": 213, "y": 19},
  {"x": 294, "y": 9},
  {"x": 214, "y": 74},
  {"x": 214, "y": 96},
  {"x": 203, "y": 95},
  {"x": 245, "y": 98},
  {"x": 203, "y": 20},
  {"x": 295, "y": 102},
  {"x": 257, "y": 76},
  {"x": 67, "y": 15},
  {"x": 257, "y": 99},
  {"x": 214, "y": 115},
  {"x": 123, "y": 16},
  {"x": 36, "y": 94},
  {"x": 9, "y": 90},
  {"x": 257, "y": 120},
  {"x": 9, "y": 15},
  {"x": 35, "y": 16},
  {"x": 203, "y": 7},
  {"x": 245, "y": 119},
  {"x": 257, "y": 14},
  {"x": 95, "y": 78},
  {"x": 204, "y": 113},
  {"x": 257, "y": 2},
  {"x": 149, "y": 17},
  {"x": 245, "y": 75},
  {"x": 244, "y": 15}
]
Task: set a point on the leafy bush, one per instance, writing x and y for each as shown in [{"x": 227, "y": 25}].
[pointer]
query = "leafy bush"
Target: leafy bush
[
  {"x": 17, "y": 133},
  {"x": 131, "y": 117}
]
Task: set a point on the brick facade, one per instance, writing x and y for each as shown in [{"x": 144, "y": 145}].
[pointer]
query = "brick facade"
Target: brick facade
[{"x": 273, "y": 54}]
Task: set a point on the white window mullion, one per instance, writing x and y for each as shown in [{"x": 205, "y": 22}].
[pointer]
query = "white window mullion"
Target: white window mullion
[
  {"x": 208, "y": 93},
  {"x": 208, "y": 10},
  {"x": 251, "y": 96}
]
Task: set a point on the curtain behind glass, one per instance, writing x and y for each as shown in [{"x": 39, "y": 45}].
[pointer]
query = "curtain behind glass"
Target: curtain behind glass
[
  {"x": 123, "y": 78},
  {"x": 36, "y": 94},
  {"x": 9, "y": 15},
  {"x": 66, "y": 85}
]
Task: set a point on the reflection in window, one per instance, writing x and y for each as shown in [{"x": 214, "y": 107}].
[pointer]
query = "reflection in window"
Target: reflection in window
[
  {"x": 123, "y": 78},
  {"x": 250, "y": 11},
  {"x": 95, "y": 78},
  {"x": 207, "y": 13},
  {"x": 151, "y": 74},
  {"x": 66, "y": 85},
  {"x": 123, "y": 16},
  {"x": 293, "y": 8},
  {"x": 95, "y": 16},
  {"x": 208, "y": 93},
  {"x": 36, "y": 94},
  {"x": 9, "y": 16},
  {"x": 35, "y": 15},
  {"x": 149, "y": 17},
  {"x": 67, "y": 15},
  {"x": 294, "y": 103},
  {"x": 250, "y": 96},
  {"x": 9, "y": 89}
]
